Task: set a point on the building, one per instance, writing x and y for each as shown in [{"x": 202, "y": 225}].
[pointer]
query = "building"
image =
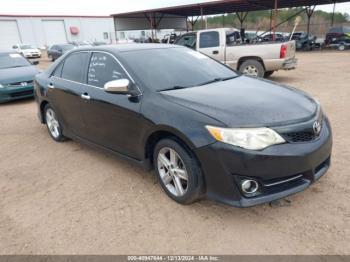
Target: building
[{"x": 43, "y": 31}]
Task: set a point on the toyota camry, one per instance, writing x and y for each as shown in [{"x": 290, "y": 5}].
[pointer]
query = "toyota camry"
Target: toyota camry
[{"x": 206, "y": 130}]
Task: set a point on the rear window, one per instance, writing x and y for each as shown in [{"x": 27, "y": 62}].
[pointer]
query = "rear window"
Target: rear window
[{"x": 209, "y": 39}]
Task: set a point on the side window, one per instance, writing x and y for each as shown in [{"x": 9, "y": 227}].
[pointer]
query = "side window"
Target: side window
[
  {"x": 188, "y": 41},
  {"x": 53, "y": 48},
  {"x": 209, "y": 39},
  {"x": 74, "y": 67},
  {"x": 58, "y": 71},
  {"x": 104, "y": 68}
]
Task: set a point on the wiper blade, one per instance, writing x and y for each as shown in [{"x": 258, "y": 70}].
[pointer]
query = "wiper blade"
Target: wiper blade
[
  {"x": 173, "y": 88},
  {"x": 219, "y": 79}
]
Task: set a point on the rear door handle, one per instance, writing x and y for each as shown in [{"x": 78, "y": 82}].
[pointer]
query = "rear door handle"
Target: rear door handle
[
  {"x": 85, "y": 96},
  {"x": 50, "y": 85},
  {"x": 215, "y": 52}
]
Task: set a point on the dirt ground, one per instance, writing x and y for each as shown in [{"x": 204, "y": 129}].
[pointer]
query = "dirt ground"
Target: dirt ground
[{"x": 70, "y": 199}]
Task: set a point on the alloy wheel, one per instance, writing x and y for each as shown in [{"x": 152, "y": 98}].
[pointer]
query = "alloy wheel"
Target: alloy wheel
[
  {"x": 52, "y": 123},
  {"x": 172, "y": 171}
]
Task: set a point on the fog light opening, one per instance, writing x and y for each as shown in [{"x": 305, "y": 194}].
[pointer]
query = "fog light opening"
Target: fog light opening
[{"x": 249, "y": 186}]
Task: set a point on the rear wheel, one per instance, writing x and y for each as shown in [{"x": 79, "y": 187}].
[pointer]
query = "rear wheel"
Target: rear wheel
[
  {"x": 341, "y": 47},
  {"x": 53, "y": 125},
  {"x": 178, "y": 171},
  {"x": 252, "y": 67}
]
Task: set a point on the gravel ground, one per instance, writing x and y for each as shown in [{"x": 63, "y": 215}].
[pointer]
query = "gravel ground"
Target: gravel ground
[{"x": 70, "y": 199}]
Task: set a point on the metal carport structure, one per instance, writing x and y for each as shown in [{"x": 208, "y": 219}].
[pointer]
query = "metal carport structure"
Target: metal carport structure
[{"x": 178, "y": 16}]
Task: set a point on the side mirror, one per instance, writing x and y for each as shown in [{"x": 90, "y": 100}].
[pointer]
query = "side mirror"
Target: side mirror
[
  {"x": 120, "y": 86},
  {"x": 35, "y": 62}
]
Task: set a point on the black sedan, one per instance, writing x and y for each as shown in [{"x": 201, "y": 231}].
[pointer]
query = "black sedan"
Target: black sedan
[
  {"x": 56, "y": 51},
  {"x": 205, "y": 129}
]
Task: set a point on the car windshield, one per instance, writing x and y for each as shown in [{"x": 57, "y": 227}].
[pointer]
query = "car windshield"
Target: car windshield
[
  {"x": 24, "y": 47},
  {"x": 296, "y": 36},
  {"x": 10, "y": 60},
  {"x": 174, "y": 68}
]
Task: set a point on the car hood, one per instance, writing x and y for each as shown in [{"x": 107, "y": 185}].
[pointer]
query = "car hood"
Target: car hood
[
  {"x": 17, "y": 74},
  {"x": 247, "y": 102}
]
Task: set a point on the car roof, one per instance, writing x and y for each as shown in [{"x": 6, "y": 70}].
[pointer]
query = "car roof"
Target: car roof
[
  {"x": 7, "y": 52},
  {"x": 127, "y": 47}
]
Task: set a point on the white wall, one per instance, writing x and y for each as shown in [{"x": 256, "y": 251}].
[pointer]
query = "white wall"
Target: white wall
[{"x": 31, "y": 29}]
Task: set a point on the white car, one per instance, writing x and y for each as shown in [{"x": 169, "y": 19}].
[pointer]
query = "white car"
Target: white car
[{"x": 28, "y": 51}]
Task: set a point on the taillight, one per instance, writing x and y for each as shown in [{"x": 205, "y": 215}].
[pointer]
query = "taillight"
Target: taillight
[{"x": 283, "y": 51}]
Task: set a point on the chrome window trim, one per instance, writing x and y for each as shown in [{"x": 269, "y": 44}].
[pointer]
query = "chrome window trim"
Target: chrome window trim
[{"x": 86, "y": 84}]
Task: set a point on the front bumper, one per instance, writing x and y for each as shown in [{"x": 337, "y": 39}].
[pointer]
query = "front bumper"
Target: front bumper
[
  {"x": 15, "y": 93},
  {"x": 33, "y": 55},
  {"x": 280, "y": 170}
]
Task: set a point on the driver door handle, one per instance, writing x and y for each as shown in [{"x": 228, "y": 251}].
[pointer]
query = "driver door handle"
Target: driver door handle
[
  {"x": 85, "y": 96},
  {"x": 215, "y": 52}
]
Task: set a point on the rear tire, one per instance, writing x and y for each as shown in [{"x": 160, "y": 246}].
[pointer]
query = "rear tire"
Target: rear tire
[
  {"x": 178, "y": 171},
  {"x": 252, "y": 67},
  {"x": 341, "y": 47},
  {"x": 53, "y": 124}
]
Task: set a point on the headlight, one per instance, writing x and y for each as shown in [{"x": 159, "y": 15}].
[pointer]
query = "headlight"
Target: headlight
[
  {"x": 1, "y": 86},
  {"x": 248, "y": 138}
]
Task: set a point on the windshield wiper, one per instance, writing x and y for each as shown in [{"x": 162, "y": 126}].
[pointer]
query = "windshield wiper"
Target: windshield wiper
[
  {"x": 173, "y": 88},
  {"x": 219, "y": 79}
]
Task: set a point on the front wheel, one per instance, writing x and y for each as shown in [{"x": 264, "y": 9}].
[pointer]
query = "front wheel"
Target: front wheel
[
  {"x": 178, "y": 171},
  {"x": 53, "y": 125},
  {"x": 252, "y": 68}
]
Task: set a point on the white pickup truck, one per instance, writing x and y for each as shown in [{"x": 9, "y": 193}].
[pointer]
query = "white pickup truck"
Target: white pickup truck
[{"x": 226, "y": 46}]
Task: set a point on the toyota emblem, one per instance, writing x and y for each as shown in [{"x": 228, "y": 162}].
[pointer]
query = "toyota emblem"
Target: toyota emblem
[{"x": 317, "y": 127}]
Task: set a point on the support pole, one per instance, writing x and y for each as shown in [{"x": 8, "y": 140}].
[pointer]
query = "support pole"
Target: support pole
[
  {"x": 309, "y": 12},
  {"x": 202, "y": 20},
  {"x": 275, "y": 20},
  {"x": 333, "y": 13}
]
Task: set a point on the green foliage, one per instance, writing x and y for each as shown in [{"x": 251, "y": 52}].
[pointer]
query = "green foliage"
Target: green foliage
[{"x": 263, "y": 17}]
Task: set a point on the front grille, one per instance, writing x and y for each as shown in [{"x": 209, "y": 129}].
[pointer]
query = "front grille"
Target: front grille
[
  {"x": 19, "y": 84},
  {"x": 304, "y": 136},
  {"x": 23, "y": 93}
]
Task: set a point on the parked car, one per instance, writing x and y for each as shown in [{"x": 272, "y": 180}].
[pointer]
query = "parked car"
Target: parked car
[
  {"x": 304, "y": 41},
  {"x": 16, "y": 76},
  {"x": 56, "y": 51},
  {"x": 205, "y": 129},
  {"x": 269, "y": 38},
  {"x": 225, "y": 45},
  {"x": 28, "y": 51},
  {"x": 338, "y": 35}
]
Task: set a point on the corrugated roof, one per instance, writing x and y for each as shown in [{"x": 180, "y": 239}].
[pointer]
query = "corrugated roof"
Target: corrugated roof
[{"x": 228, "y": 6}]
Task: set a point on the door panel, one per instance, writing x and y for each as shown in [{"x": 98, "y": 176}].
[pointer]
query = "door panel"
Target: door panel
[
  {"x": 65, "y": 98},
  {"x": 65, "y": 89},
  {"x": 209, "y": 44},
  {"x": 112, "y": 120}
]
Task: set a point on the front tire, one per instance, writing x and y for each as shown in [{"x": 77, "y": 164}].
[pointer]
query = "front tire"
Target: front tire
[
  {"x": 253, "y": 68},
  {"x": 53, "y": 124},
  {"x": 178, "y": 171}
]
